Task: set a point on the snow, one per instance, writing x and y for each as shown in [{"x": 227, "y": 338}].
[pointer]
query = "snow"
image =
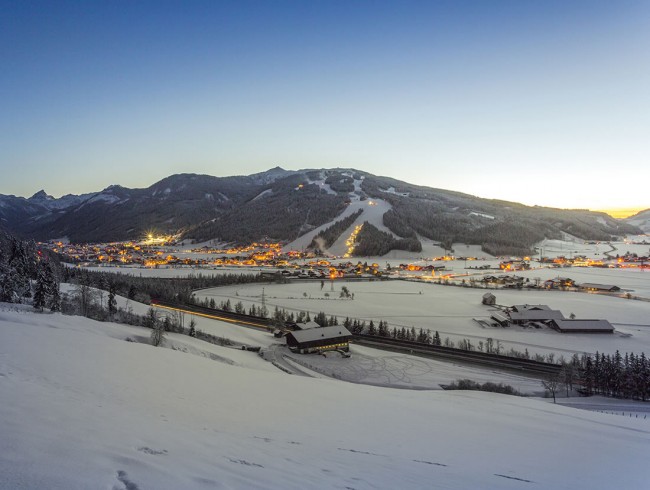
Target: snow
[
  {"x": 384, "y": 368},
  {"x": 482, "y": 215},
  {"x": 391, "y": 190},
  {"x": 109, "y": 198},
  {"x": 321, "y": 183},
  {"x": 451, "y": 311},
  {"x": 373, "y": 213},
  {"x": 570, "y": 248},
  {"x": 262, "y": 194},
  {"x": 81, "y": 408}
]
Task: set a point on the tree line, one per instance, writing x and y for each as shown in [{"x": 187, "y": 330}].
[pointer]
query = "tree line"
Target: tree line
[
  {"x": 327, "y": 237},
  {"x": 373, "y": 242},
  {"x": 28, "y": 275}
]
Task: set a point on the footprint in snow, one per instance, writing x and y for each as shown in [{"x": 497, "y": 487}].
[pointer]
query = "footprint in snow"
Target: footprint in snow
[
  {"x": 151, "y": 451},
  {"x": 125, "y": 482}
]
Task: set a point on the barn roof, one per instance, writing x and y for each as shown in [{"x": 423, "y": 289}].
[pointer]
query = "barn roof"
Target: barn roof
[
  {"x": 541, "y": 315},
  {"x": 583, "y": 324},
  {"x": 522, "y": 308},
  {"x": 312, "y": 334}
]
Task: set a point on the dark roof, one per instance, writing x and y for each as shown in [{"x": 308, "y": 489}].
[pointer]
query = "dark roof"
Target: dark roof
[
  {"x": 489, "y": 295},
  {"x": 536, "y": 315},
  {"x": 312, "y": 334},
  {"x": 522, "y": 308},
  {"x": 582, "y": 325}
]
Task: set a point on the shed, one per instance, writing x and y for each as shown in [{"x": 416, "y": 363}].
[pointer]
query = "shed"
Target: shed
[
  {"x": 489, "y": 299},
  {"x": 500, "y": 319},
  {"x": 581, "y": 326},
  {"x": 319, "y": 339}
]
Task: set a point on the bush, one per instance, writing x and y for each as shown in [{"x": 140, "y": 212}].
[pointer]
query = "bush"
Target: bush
[{"x": 468, "y": 384}]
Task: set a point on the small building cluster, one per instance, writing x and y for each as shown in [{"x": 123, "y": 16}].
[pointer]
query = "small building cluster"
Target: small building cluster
[{"x": 539, "y": 316}]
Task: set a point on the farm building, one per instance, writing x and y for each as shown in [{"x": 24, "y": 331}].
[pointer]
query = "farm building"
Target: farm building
[
  {"x": 521, "y": 314},
  {"x": 581, "y": 326},
  {"x": 319, "y": 339},
  {"x": 501, "y": 319},
  {"x": 489, "y": 299},
  {"x": 590, "y": 286}
]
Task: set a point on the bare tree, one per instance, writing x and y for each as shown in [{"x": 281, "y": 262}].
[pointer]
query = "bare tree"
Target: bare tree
[{"x": 552, "y": 384}]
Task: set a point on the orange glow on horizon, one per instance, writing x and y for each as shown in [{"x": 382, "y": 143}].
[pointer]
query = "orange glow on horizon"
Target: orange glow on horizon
[{"x": 621, "y": 213}]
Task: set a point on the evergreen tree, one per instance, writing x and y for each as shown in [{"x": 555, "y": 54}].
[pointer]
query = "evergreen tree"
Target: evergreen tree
[
  {"x": 321, "y": 319},
  {"x": 40, "y": 290},
  {"x": 192, "y": 332},
  {"x": 239, "y": 307},
  {"x": 112, "y": 302},
  {"x": 157, "y": 334}
]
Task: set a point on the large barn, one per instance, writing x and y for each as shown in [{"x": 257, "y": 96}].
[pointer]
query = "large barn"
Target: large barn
[
  {"x": 581, "y": 326},
  {"x": 319, "y": 339}
]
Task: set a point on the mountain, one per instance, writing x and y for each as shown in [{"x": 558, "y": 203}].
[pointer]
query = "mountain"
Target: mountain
[
  {"x": 640, "y": 220},
  {"x": 285, "y": 205}
]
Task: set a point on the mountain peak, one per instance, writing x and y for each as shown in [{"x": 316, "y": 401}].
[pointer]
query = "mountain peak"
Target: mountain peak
[{"x": 41, "y": 196}]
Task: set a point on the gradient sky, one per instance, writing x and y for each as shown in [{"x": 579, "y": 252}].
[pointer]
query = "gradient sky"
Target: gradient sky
[{"x": 543, "y": 103}]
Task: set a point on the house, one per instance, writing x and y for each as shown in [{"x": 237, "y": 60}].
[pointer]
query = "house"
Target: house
[
  {"x": 559, "y": 282},
  {"x": 590, "y": 286},
  {"x": 489, "y": 299},
  {"x": 319, "y": 339},
  {"x": 581, "y": 326}
]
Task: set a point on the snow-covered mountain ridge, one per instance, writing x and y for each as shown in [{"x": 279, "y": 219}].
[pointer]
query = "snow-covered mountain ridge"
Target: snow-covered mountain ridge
[{"x": 282, "y": 205}]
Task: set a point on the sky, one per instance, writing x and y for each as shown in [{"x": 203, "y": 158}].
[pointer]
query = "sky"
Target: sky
[{"x": 544, "y": 103}]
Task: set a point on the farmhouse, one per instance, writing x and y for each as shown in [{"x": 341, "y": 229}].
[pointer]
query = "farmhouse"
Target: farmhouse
[
  {"x": 581, "y": 326},
  {"x": 590, "y": 286},
  {"x": 319, "y": 339}
]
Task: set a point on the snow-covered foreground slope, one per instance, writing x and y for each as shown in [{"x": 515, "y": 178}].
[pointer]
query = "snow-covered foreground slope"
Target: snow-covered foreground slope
[{"x": 81, "y": 408}]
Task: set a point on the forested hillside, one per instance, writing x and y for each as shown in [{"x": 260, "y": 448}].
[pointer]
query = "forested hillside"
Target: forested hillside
[{"x": 282, "y": 205}]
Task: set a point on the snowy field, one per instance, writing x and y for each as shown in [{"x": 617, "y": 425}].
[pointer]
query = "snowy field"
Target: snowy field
[
  {"x": 390, "y": 369},
  {"x": 450, "y": 310},
  {"x": 366, "y": 366},
  {"x": 82, "y": 408}
]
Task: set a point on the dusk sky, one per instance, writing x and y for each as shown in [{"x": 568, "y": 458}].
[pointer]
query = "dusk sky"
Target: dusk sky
[{"x": 543, "y": 103}]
